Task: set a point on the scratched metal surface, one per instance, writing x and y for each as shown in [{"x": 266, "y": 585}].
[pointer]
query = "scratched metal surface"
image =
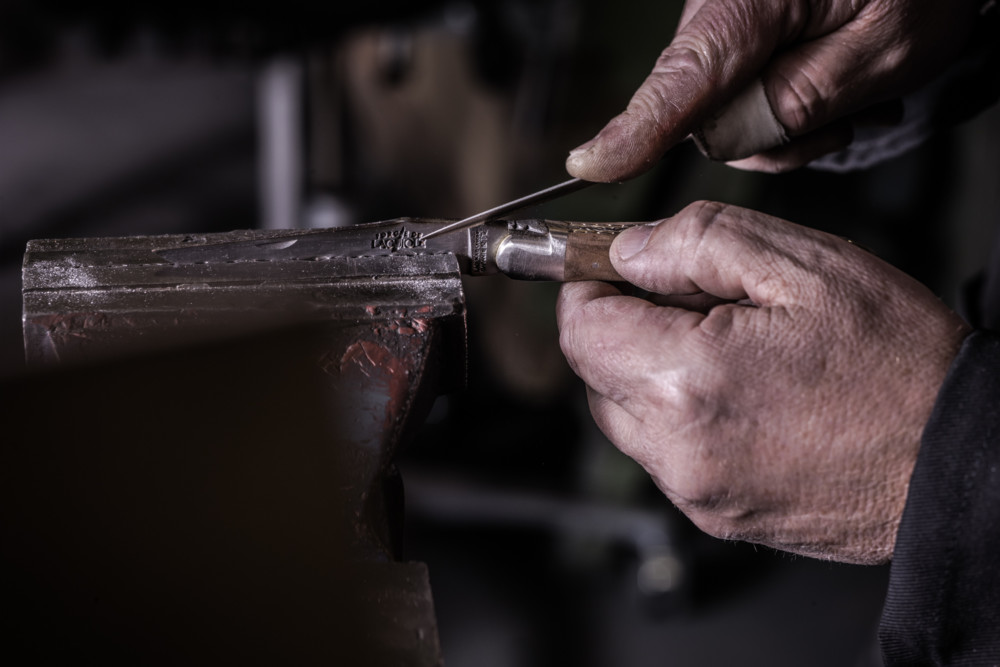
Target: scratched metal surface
[
  {"x": 384, "y": 335},
  {"x": 106, "y": 297}
]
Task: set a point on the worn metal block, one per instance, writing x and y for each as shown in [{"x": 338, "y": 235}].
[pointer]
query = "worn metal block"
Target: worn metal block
[
  {"x": 95, "y": 298},
  {"x": 383, "y": 336}
]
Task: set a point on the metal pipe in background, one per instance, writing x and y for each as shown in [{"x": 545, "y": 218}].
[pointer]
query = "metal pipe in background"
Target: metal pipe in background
[{"x": 279, "y": 121}]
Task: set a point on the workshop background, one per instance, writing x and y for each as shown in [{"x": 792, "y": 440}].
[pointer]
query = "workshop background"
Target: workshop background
[{"x": 544, "y": 545}]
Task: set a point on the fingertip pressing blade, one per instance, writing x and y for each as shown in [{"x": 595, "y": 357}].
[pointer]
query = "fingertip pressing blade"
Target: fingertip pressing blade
[{"x": 548, "y": 194}]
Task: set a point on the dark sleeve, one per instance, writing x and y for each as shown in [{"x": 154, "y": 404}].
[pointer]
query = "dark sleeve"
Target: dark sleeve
[
  {"x": 971, "y": 85},
  {"x": 943, "y": 605}
]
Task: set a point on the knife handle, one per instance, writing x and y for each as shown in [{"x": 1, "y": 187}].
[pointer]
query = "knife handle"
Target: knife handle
[
  {"x": 587, "y": 256},
  {"x": 557, "y": 250},
  {"x": 587, "y": 245}
]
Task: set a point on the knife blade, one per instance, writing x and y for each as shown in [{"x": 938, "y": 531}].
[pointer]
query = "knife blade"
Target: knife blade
[{"x": 529, "y": 249}]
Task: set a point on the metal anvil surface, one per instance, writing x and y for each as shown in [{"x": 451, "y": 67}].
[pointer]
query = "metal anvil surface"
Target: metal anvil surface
[{"x": 384, "y": 335}]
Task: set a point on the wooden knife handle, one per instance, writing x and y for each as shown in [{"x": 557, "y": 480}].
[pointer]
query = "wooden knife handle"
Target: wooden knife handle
[{"x": 587, "y": 245}]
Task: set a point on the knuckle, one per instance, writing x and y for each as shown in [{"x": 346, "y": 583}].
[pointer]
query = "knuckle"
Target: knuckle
[
  {"x": 688, "y": 56},
  {"x": 590, "y": 339},
  {"x": 705, "y": 214},
  {"x": 680, "y": 67},
  {"x": 703, "y": 491},
  {"x": 680, "y": 387},
  {"x": 717, "y": 328},
  {"x": 574, "y": 335},
  {"x": 717, "y": 505},
  {"x": 687, "y": 401},
  {"x": 731, "y": 524},
  {"x": 710, "y": 43},
  {"x": 700, "y": 221},
  {"x": 800, "y": 100}
]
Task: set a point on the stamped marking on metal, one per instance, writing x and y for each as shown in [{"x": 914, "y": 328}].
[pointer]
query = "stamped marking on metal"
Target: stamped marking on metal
[
  {"x": 600, "y": 227},
  {"x": 398, "y": 239},
  {"x": 480, "y": 249}
]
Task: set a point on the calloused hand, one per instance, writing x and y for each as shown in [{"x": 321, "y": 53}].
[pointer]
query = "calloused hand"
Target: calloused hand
[
  {"x": 786, "y": 406},
  {"x": 824, "y": 65}
]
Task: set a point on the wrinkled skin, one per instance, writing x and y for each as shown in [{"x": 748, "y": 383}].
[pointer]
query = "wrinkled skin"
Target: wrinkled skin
[
  {"x": 826, "y": 66},
  {"x": 782, "y": 400}
]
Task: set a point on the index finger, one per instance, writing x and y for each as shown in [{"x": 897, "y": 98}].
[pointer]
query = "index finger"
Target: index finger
[
  {"x": 717, "y": 52},
  {"x": 619, "y": 345}
]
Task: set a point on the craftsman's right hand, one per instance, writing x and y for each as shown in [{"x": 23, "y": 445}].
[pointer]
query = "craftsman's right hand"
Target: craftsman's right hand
[
  {"x": 780, "y": 396},
  {"x": 824, "y": 65}
]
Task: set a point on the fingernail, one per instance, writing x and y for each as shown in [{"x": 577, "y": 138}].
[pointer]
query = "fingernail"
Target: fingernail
[
  {"x": 631, "y": 242},
  {"x": 583, "y": 148},
  {"x": 578, "y": 162}
]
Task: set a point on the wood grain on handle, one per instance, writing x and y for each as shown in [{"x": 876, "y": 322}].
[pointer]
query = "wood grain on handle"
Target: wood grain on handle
[{"x": 587, "y": 247}]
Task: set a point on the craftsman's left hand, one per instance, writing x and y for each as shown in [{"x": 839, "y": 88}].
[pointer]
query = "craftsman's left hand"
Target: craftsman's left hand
[{"x": 784, "y": 402}]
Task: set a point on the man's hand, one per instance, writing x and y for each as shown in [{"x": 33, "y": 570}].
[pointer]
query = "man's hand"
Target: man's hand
[
  {"x": 824, "y": 64},
  {"x": 784, "y": 404}
]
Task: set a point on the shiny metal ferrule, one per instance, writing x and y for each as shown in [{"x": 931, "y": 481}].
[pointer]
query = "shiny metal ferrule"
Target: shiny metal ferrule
[{"x": 532, "y": 250}]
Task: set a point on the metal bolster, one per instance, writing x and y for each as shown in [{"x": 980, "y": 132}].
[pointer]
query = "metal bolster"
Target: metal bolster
[{"x": 533, "y": 250}]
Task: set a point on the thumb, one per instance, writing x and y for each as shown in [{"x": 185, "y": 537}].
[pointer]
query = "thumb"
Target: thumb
[{"x": 724, "y": 251}]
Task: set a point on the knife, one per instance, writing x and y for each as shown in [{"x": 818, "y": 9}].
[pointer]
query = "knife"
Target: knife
[{"x": 528, "y": 249}]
